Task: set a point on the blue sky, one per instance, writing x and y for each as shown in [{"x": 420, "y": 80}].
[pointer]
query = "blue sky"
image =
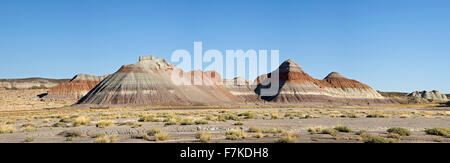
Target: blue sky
[{"x": 391, "y": 45}]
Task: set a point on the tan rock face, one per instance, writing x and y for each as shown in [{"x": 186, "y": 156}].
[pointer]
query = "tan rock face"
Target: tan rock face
[
  {"x": 76, "y": 88},
  {"x": 296, "y": 86},
  {"x": 154, "y": 81},
  {"x": 433, "y": 96}
]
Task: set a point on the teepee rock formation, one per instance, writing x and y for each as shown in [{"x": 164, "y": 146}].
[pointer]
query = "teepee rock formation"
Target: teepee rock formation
[
  {"x": 296, "y": 86},
  {"x": 154, "y": 81},
  {"x": 76, "y": 88}
]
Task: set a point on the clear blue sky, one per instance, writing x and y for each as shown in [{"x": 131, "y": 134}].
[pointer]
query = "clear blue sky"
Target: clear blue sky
[{"x": 392, "y": 45}]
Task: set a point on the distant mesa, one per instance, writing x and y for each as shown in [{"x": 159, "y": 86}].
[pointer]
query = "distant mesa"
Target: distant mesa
[
  {"x": 74, "y": 89},
  {"x": 30, "y": 83},
  {"x": 433, "y": 96}
]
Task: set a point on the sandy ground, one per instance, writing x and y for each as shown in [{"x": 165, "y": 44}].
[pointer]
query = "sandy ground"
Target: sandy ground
[{"x": 49, "y": 126}]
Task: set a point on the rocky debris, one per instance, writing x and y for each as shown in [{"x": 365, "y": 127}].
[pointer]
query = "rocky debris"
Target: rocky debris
[
  {"x": 30, "y": 83},
  {"x": 433, "y": 96},
  {"x": 154, "y": 81},
  {"x": 296, "y": 86},
  {"x": 2, "y": 89},
  {"x": 74, "y": 89}
]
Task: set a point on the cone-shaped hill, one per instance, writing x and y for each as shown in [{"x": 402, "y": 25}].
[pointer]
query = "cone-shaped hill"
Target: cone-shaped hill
[
  {"x": 296, "y": 86},
  {"x": 156, "y": 82}
]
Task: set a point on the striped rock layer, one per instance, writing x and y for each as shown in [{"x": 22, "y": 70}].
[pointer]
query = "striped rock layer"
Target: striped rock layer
[
  {"x": 296, "y": 86},
  {"x": 76, "y": 88},
  {"x": 156, "y": 82},
  {"x": 242, "y": 88}
]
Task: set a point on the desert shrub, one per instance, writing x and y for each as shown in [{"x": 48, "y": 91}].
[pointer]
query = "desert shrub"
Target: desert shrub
[
  {"x": 288, "y": 137},
  {"x": 97, "y": 135},
  {"x": 400, "y": 131},
  {"x": 103, "y": 124},
  {"x": 227, "y": 117},
  {"x": 211, "y": 118},
  {"x": 161, "y": 136},
  {"x": 238, "y": 124},
  {"x": 259, "y": 135},
  {"x": 201, "y": 122},
  {"x": 330, "y": 131},
  {"x": 7, "y": 129},
  {"x": 171, "y": 121},
  {"x": 394, "y": 136},
  {"x": 28, "y": 129},
  {"x": 28, "y": 139},
  {"x": 376, "y": 139},
  {"x": 273, "y": 131},
  {"x": 187, "y": 121},
  {"x": 361, "y": 132},
  {"x": 153, "y": 131},
  {"x": 59, "y": 124},
  {"x": 254, "y": 129},
  {"x": 69, "y": 138},
  {"x": 81, "y": 121},
  {"x": 235, "y": 134},
  {"x": 249, "y": 115},
  {"x": 376, "y": 115},
  {"x": 203, "y": 136},
  {"x": 343, "y": 129},
  {"x": 107, "y": 139},
  {"x": 315, "y": 130},
  {"x": 71, "y": 133},
  {"x": 130, "y": 123},
  {"x": 149, "y": 118},
  {"x": 438, "y": 131}
]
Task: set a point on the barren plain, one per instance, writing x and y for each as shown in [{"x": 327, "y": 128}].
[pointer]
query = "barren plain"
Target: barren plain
[{"x": 26, "y": 118}]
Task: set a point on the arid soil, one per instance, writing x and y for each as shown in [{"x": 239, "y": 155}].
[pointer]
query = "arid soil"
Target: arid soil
[{"x": 23, "y": 118}]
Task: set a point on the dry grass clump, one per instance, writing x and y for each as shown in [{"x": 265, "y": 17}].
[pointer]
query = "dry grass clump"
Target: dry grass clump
[
  {"x": 201, "y": 122},
  {"x": 130, "y": 123},
  {"x": 170, "y": 121},
  {"x": 162, "y": 136},
  {"x": 400, "y": 131},
  {"x": 82, "y": 120},
  {"x": 376, "y": 115},
  {"x": 71, "y": 133},
  {"x": 149, "y": 118},
  {"x": 259, "y": 135},
  {"x": 28, "y": 129},
  {"x": 103, "y": 124},
  {"x": 227, "y": 117},
  {"x": 97, "y": 135},
  {"x": 330, "y": 131},
  {"x": 153, "y": 131},
  {"x": 235, "y": 134},
  {"x": 343, "y": 129},
  {"x": 107, "y": 139},
  {"x": 7, "y": 129},
  {"x": 287, "y": 137},
  {"x": 438, "y": 131},
  {"x": 249, "y": 115},
  {"x": 254, "y": 129},
  {"x": 203, "y": 136},
  {"x": 187, "y": 121},
  {"x": 315, "y": 130},
  {"x": 238, "y": 124},
  {"x": 28, "y": 139},
  {"x": 375, "y": 139}
]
